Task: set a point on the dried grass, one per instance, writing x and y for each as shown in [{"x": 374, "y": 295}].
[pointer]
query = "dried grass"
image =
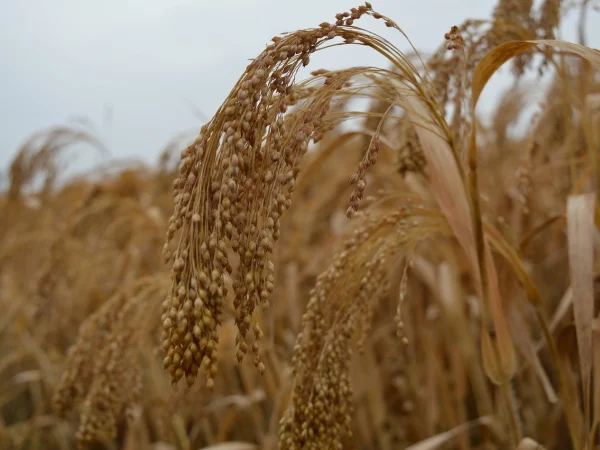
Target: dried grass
[{"x": 424, "y": 281}]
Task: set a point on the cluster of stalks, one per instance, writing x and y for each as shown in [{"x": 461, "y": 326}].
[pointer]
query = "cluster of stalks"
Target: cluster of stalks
[{"x": 424, "y": 281}]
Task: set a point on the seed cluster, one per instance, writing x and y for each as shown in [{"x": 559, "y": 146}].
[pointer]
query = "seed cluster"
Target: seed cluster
[
  {"x": 235, "y": 183},
  {"x": 454, "y": 38},
  {"x": 549, "y": 18},
  {"x": 523, "y": 175},
  {"x": 512, "y": 18},
  {"x": 115, "y": 389},
  {"x": 450, "y": 72},
  {"x": 358, "y": 178},
  {"x": 342, "y": 301},
  {"x": 80, "y": 373},
  {"x": 103, "y": 367},
  {"x": 410, "y": 154}
]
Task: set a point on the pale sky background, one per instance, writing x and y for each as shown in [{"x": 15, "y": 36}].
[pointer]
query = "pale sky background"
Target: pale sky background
[{"x": 153, "y": 63}]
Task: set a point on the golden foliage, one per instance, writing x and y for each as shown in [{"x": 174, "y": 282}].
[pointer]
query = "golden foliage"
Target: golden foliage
[{"x": 300, "y": 243}]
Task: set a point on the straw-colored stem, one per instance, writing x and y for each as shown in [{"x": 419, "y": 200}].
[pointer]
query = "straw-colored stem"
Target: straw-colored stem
[{"x": 562, "y": 383}]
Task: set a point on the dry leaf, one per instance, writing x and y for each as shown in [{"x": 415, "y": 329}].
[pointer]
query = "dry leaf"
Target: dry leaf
[
  {"x": 483, "y": 72},
  {"x": 596, "y": 377},
  {"x": 502, "y": 53},
  {"x": 580, "y": 233},
  {"x": 449, "y": 191},
  {"x": 442, "y": 438}
]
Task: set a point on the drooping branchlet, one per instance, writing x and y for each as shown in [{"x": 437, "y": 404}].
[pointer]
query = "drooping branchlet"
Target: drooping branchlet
[{"x": 235, "y": 183}]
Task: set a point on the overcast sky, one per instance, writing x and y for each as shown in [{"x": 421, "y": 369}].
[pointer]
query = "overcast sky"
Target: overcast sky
[{"x": 154, "y": 63}]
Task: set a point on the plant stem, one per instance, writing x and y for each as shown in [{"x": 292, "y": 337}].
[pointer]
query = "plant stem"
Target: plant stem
[{"x": 562, "y": 383}]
